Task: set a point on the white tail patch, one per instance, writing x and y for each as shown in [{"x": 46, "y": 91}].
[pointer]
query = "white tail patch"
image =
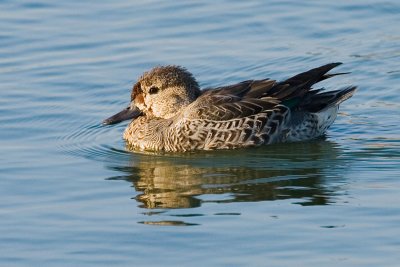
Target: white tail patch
[{"x": 326, "y": 118}]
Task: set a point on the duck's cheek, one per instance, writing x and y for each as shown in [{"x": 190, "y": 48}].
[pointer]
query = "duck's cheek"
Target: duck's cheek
[
  {"x": 156, "y": 112},
  {"x": 158, "y": 106}
]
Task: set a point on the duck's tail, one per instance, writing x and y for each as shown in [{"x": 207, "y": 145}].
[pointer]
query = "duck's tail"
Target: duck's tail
[
  {"x": 324, "y": 100},
  {"x": 297, "y": 93},
  {"x": 313, "y": 76}
]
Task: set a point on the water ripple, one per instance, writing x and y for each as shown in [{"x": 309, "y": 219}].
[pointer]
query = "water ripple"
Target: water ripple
[{"x": 89, "y": 142}]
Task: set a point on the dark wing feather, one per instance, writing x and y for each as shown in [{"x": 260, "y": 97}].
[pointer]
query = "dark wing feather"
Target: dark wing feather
[
  {"x": 299, "y": 85},
  {"x": 296, "y": 92},
  {"x": 253, "y": 96},
  {"x": 222, "y": 107},
  {"x": 245, "y": 89},
  {"x": 318, "y": 102}
]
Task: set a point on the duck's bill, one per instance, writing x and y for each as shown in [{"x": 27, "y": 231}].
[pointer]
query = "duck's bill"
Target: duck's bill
[{"x": 127, "y": 114}]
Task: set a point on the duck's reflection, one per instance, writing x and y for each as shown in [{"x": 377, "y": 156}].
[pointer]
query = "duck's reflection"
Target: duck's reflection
[{"x": 287, "y": 171}]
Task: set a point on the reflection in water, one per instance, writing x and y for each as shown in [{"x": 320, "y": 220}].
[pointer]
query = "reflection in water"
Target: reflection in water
[{"x": 284, "y": 171}]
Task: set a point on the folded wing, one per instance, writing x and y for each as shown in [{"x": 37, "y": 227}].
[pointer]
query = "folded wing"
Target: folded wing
[{"x": 255, "y": 96}]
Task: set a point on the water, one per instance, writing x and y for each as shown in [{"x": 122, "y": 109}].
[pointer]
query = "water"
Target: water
[{"x": 71, "y": 194}]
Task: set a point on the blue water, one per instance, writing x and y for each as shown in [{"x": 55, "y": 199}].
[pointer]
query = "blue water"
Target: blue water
[{"x": 72, "y": 195}]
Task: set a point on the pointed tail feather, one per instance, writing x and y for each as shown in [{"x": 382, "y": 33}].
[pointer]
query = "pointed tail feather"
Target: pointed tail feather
[
  {"x": 300, "y": 84},
  {"x": 313, "y": 76},
  {"x": 321, "y": 101}
]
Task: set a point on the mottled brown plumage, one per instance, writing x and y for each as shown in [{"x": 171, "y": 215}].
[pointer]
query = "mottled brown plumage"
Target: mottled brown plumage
[{"x": 170, "y": 113}]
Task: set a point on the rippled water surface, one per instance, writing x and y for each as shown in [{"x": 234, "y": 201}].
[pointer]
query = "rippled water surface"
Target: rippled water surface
[{"x": 72, "y": 195}]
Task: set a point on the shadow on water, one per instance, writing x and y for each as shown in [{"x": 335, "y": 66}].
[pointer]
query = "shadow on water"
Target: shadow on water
[{"x": 299, "y": 171}]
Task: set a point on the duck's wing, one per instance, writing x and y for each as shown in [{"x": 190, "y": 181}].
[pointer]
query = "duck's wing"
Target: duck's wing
[
  {"x": 296, "y": 86},
  {"x": 245, "y": 89},
  {"x": 232, "y": 102},
  {"x": 296, "y": 92},
  {"x": 254, "y": 96},
  {"x": 296, "y": 89}
]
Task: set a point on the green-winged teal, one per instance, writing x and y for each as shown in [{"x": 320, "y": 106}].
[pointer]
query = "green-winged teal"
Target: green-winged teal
[{"x": 169, "y": 112}]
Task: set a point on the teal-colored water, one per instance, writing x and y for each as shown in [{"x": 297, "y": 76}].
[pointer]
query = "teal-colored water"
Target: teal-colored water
[{"x": 71, "y": 195}]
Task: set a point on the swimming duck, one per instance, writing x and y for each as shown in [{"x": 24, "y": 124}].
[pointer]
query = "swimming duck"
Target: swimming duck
[{"x": 169, "y": 112}]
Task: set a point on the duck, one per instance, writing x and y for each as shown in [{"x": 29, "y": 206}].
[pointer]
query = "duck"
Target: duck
[{"x": 170, "y": 113}]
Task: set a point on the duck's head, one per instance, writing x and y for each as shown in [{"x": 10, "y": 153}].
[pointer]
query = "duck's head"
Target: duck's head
[{"x": 161, "y": 92}]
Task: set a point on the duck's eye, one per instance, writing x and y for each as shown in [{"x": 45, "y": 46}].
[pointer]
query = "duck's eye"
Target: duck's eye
[{"x": 153, "y": 90}]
